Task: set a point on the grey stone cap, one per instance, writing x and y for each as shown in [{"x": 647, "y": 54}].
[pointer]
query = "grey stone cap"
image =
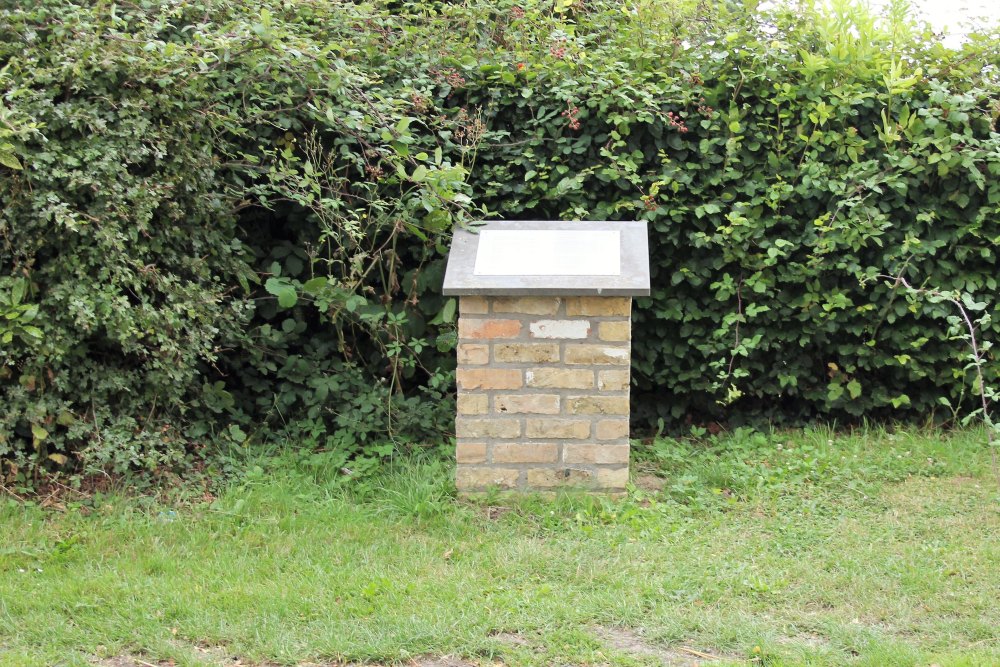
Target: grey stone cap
[{"x": 557, "y": 273}]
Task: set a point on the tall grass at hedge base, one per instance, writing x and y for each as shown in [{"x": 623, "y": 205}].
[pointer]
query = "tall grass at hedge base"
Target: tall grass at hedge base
[{"x": 227, "y": 223}]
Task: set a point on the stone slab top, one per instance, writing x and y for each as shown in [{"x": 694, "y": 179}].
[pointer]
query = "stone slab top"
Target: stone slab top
[{"x": 559, "y": 257}]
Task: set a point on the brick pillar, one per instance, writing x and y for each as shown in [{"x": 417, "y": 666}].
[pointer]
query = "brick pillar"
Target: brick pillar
[{"x": 543, "y": 386}]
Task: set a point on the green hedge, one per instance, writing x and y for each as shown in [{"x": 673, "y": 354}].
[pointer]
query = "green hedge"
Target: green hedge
[
  {"x": 782, "y": 163},
  {"x": 200, "y": 237},
  {"x": 227, "y": 223}
]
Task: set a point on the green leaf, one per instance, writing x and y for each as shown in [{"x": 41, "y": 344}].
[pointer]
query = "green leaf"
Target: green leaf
[
  {"x": 283, "y": 289},
  {"x": 9, "y": 160},
  {"x": 900, "y": 401},
  {"x": 354, "y": 302},
  {"x": 39, "y": 432},
  {"x": 448, "y": 312},
  {"x": 60, "y": 459},
  {"x": 854, "y": 389},
  {"x": 403, "y": 126},
  {"x": 834, "y": 391},
  {"x": 973, "y": 305},
  {"x": 18, "y": 291},
  {"x": 314, "y": 285}
]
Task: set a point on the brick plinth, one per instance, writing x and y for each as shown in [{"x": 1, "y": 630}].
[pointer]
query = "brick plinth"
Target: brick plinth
[{"x": 543, "y": 393}]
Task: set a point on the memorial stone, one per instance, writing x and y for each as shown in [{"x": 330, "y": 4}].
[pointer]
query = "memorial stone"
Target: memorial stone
[{"x": 544, "y": 338}]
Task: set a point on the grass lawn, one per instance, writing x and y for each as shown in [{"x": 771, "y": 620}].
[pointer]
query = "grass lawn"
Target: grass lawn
[{"x": 800, "y": 548}]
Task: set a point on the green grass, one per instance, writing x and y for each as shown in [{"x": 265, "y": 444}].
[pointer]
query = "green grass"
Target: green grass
[{"x": 801, "y": 548}]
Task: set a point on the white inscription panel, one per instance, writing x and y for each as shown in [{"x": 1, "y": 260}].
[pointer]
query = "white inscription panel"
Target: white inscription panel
[{"x": 548, "y": 252}]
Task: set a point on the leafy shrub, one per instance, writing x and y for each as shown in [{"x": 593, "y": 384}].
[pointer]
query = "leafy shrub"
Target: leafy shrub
[
  {"x": 228, "y": 222},
  {"x": 178, "y": 182},
  {"x": 781, "y": 160}
]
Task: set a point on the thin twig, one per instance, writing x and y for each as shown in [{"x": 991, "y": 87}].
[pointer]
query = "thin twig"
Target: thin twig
[
  {"x": 707, "y": 656},
  {"x": 977, "y": 358},
  {"x": 10, "y": 492}
]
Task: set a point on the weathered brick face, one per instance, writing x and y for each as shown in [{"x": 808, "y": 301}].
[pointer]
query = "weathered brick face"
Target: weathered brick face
[{"x": 543, "y": 392}]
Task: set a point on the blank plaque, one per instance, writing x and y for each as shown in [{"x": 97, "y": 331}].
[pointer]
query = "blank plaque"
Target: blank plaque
[
  {"x": 552, "y": 257},
  {"x": 548, "y": 252}
]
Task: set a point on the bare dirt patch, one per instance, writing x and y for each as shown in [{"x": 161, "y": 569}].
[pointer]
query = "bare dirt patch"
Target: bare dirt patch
[
  {"x": 443, "y": 661},
  {"x": 213, "y": 655},
  {"x": 512, "y": 638},
  {"x": 129, "y": 661},
  {"x": 496, "y": 512},
  {"x": 808, "y": 640},
  {"x": 628, "y": 641},
  {"x": 952, "y": 496},
  {"x": 219, "y": 657},
  {"x": 648, "y": 482}
]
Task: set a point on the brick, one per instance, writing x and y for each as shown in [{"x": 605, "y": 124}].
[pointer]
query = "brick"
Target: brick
[
  {"x": 548, "y": 477},
  {"x": 614, "y": 478},
  {"x": 569, "y": 329},
  {"x": 479, "y": 477},
  {"x": 597, "y": 405},
  {"x": 486, "y": 329},
  {"x": 597, "y": 355},
  {"x": 524, "y": 453},
  {"x": 611, "y": 429},
  {"x": 559, "y": 378},
  {"x": 573, "y": 429},
  {"x": 470, "y": 452},
  {"x": 473, "y": 404},
  {"x": 612, "y": 380},
  {"x": 529, "y": 305},
  {"x": 540, "y": 404},
  {"x": 488, "y": 378},
  {"x": 473, "y": 305},
  {"x": 473, "y": 354},
  {"x": 615, "y": 331},
  {"x": 590, "y": 453},
  {"x": 466, "y": 427},
  {"x": 526, "y": 353},
  {"x": 601, "y": 306}
]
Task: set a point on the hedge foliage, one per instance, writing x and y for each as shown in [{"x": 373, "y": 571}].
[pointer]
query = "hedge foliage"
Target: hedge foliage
[{"x": 227, "y": 221}]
